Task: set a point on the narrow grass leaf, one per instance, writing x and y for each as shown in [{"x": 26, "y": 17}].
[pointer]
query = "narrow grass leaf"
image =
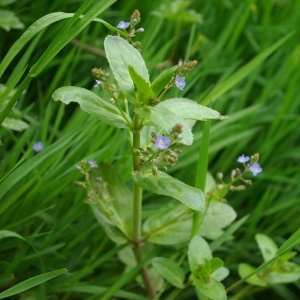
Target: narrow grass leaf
[
  {"x": 8, "y": 233},
  {"x": 223, "y": 87},
  {"x": 32, "y": 31},
  {"x": 291, "y": 243},
  {"x": 70, "y": 31},
  {"x": 32, "y": 282}
]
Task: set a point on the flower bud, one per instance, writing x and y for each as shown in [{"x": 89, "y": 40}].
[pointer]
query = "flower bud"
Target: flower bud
[
  {"x": 240, "y": 187},
  {"x": 154, "y": 170},
  {"x": 254, "y": 158}
]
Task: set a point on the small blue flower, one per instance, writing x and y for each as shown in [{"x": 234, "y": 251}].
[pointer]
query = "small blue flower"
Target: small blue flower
[
  {"x": 180, "y": 83},
  {"x": 92, "y": 163},
  {"x": 255, "y": 169},
  {"x": 123, "y": 25},
  {"x": 98, "y": 83},
  {"x": 162, "y": 142},
  {"x": 243, "y": 159},
  {"x": 38, "y": 146}
]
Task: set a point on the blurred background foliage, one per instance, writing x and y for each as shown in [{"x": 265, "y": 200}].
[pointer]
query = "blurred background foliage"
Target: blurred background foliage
[{"x": 38, "y": 197}]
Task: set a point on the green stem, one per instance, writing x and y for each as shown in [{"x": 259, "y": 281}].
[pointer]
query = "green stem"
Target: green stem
[
  {"x": 137, "y": 207},
  {"x": 137, "y": 217},
  {"x": 137, "y": 191},
  {"x": 200, "y": 179}
]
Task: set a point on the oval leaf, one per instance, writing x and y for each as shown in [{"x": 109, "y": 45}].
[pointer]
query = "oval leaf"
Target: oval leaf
[
  {"x": 166, "y": 119},
  {"x": 164, "y": 184},
  {"x": 93, "y": 104},
  {"x": 170, "y": 225},
  {"x": 189, "y": 109},
  {"x": 212, "y": 289},
  {"x": 115, "y": 196},
  {"x": 217, "y": 216},
  {"x": 244, "y": 270},
  {"x": 170, "y": 270},
  {"x": 197, "y": 253},
  {"x": 266, "y": 246},
  {"x": 120, "y": 55}
]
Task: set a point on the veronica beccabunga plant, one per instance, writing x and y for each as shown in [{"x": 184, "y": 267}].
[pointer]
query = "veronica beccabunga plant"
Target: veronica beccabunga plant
[{"x": 158, "y": 129}]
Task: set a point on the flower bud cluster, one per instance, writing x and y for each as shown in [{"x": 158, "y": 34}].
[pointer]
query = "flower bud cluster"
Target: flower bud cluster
[
  {"x": 185, "y": 67},
  {"x": 101, "y": 77},
  {"x": 237, "y": 176},
  {"x": 131, "y": 31},
  {"x": 164, "y": 156},
  {"x": 182, "y": 71},
  {"x": 96, "y": 188}
]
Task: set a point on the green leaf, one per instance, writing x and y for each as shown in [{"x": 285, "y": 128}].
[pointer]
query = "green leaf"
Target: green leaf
[
  {"x": 289, "y": 273},
  {"x": 189, "y": 109},
  {"x": 164, "y": 184},
  {"x": 169, "y": 225},
  {"x": 217, "y": 216},
  {"x": 71, "y": 29},
  {"x": 197, "y": 253},
  {"x": 32, "y": 31},
  {"x": 245, "y": 270},
  {"x": 14, "y": 124},
  {"x": 8, "y": 233},
  {"x": 291, "y": 243},
  {"x": 165, "y": 119},
  {"x": 32, "y": 282},
  {"x": 6, "y": 2},
  {"x": 162, "y": 80},
  {"x": 266, "y": 246},
  {"x": 215, "y": 263},
  {"x": 143, "y": 87},
  {"x": 120, "y": 55},
  {"x": 9, "y": 20},
  {"x": 170, "y": 270},
  {"x": 113, "y": 232},
  {"x": 220, "y": 274},
  {"x": 212, "y": 289},
  {"x": 223, "y": 87},
  {"x": 93, "y": 104},
  {"x": 116, "y": 198}
]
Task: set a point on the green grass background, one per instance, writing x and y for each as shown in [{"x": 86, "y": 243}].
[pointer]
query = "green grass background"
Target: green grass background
[{"x": 38, "y": 197}]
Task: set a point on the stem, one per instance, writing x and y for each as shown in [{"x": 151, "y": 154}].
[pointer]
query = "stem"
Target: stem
[
  {"x": 137, "y": 214},
  {"x": 137, "y": 191},
  {"x": 137, "y": 207}
]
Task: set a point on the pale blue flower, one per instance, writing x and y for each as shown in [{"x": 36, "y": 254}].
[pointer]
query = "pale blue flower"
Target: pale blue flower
[
  {"x": 243, "y": 159},
  {"x": 180, "y": 83},
  {"x": 123, "y": 25},
  {"x": 98, "y": 83},
  {"x": 255, "y": 169},
  {"x": 92, "y": 163},
  {"x": 162, "y": 142},
  {"x": 38, "y": 146}
]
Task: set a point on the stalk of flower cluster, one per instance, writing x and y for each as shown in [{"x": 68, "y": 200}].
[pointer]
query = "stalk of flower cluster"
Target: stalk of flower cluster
[{"x": 137, "y": 208}]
